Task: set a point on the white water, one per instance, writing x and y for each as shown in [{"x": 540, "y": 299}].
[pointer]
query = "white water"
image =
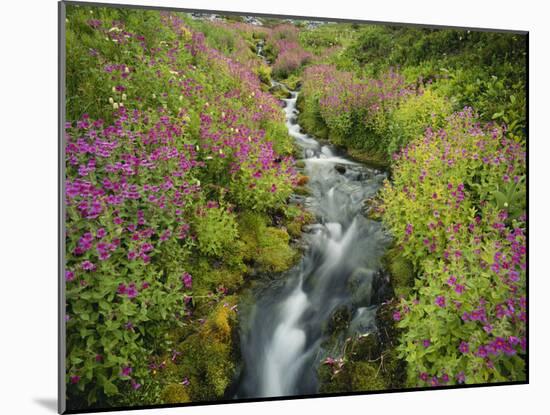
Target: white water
[{"x": 282, "y": 338}]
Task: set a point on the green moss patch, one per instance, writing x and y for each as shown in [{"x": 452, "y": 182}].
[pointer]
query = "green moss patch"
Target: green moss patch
[{"x": 265, "y": 247}]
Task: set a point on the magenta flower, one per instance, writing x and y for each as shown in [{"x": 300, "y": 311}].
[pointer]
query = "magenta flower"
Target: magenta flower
[
  {"x": 69, "y": 275},
  {"x": 121, "y": 289},
  {"x": 132, "y": 291},
  {"x": 464, "y": 347},
  {"x": 426, "y": 342},
  {"x": 513, "y": 340},
  {"x": 135, "y": 385},
  {"x": 481, "y": 351},
  {"x": 75, "y": 379},
  {"x": 396, "y": 316},
  {"x": 185, "y": 381},
  {"x": 187, "y": 280},
  {"x": 440, "y": 301},
  {"x": 126, "y": 371},
  {"x": 88, "y": 266}
]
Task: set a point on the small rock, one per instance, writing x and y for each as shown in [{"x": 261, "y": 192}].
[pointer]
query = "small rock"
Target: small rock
[{"x": 340, "y": 169}]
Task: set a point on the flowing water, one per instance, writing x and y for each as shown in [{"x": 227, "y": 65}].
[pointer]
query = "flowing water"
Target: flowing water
[{"x": 283, "y": 335}]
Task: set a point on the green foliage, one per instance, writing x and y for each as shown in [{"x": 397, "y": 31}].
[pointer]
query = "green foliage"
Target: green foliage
[
  {"x": 216, "y": 230},
  {"x": 511, "y": 197},
  {"x": 413, "y": 116}
]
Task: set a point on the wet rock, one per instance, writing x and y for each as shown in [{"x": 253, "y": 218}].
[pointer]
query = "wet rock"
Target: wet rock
[
  {"x": 302, "y": 180},
  {"x": 302, "y": 191},
  {"x": 300, "y": 164},
  {"x": 381, "y": 288},
  {"x": 360, "y": 285},
  {"x": 279, "y": 91},
  {"x": 340, "y": 169}
]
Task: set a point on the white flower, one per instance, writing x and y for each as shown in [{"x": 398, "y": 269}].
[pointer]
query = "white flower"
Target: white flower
[
  {"x": 127, "y": 70},
  {"x": 181, "y": 97},
  {"x": 111, "y": 100},
  {"x": 121, "y": 104},
  {"x": 154, "y": 96},
  {"x": 115, "y": 106},
  {"x": 113, "y": 89},
  {"x": 124, "y": 97}
]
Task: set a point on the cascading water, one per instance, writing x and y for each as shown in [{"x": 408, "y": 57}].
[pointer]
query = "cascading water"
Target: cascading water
[{"x": 283, "y": 334}]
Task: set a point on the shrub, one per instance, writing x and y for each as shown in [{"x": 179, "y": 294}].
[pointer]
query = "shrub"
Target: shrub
[
  {"x": 216, "y": 230},
  {"x": 413, "y": 116},
  {"x": 464, "y": 321}
]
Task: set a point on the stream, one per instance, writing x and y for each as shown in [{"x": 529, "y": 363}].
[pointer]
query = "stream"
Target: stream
[{"x": 283, "y": 335}]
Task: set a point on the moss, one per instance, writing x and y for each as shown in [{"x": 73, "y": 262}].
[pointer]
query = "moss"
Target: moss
[
  {"x": 175, "y": 393},
  {"x": 354, "y": 377},
  {"x": 265, "y": 246},
  {"x": 302, "y": 191},
  {"x": 208, "y": 356},
  {"x": 366, "y": 348},
  {"x": 279, "y": 91},
  {"x": 373, "y": 209},
  {"x": 401, "y": 272},
  {"x": 339, "y": 320},
  {"x": 366, "y": 377},
  {"x": 209, "y": 274},
  {"x": 296, "y": 218},
  {"x": 218, "y": 325},
  {"x": 393, "y": 369},
  {"x": 387, "y": 332},
  {"x": 300, "y": 164},
  {"x": 292, "y": 82},
  {"x": 370, "y": 158},
  {"x": 275, "y": 253}
]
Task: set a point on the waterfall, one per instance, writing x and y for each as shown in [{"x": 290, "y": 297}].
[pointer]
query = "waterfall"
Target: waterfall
[{"x": 282, "y": 336}]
